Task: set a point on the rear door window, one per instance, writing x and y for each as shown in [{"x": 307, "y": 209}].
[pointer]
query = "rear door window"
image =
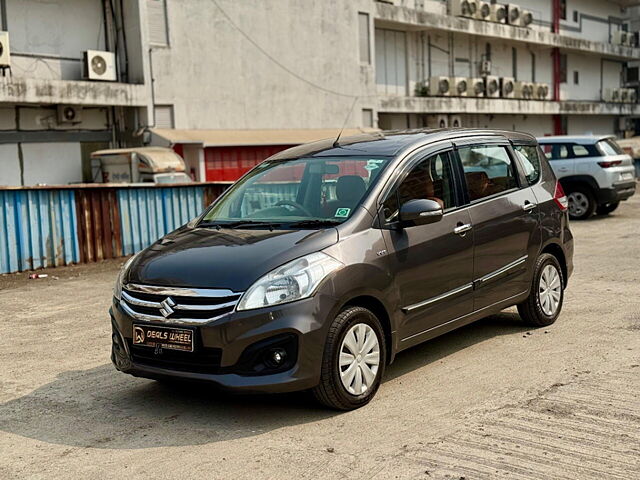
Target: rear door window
[
  {"x": 488, "y": 170},
  {"x": 529, "y": 156},
  {"x": 556, "y": 151}
]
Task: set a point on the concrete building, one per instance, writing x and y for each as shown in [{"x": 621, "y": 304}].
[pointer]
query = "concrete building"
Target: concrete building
[{"x": 228, "y": 82}]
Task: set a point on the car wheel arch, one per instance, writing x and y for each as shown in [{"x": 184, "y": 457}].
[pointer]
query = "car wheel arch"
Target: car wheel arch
[
  {"x": 378, "y": 308},
  {"x": 555, "y": 249},
  {"x": 579, "y": 180}
]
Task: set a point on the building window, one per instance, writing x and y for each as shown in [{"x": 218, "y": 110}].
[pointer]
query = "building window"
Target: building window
[
  {"x": 563, "y": 68},
  {"x": 367, "y": 118},
  {"x": 533, "y": 67},
  {"x": 363, "y": 31},
  {"x": 576, "y": 77},
  {"x": 157, "y": 22},
  {"x": 576, "y": 19},
  {"x": 514, "y": 63},
  {"x": 391, "y": 62},
  {"x": 163, "y": 115},
  {"x": 563, "y": 9}
]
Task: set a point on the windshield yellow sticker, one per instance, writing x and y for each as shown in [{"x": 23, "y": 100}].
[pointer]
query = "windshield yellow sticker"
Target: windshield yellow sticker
[{"x": 342, "y": 212}]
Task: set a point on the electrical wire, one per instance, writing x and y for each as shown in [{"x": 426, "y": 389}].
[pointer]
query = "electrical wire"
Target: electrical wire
[{"x": 277, "y": 62}]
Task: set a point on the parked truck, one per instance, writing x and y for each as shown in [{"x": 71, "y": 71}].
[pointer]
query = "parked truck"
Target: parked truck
[{"x": 141, "y": 165}]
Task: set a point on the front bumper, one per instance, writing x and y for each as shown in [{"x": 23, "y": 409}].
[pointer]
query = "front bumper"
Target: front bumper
[{"x": 225, "y": 340}]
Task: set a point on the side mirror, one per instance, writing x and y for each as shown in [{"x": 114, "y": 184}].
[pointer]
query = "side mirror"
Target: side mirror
[{"x": 420, "y": 212}]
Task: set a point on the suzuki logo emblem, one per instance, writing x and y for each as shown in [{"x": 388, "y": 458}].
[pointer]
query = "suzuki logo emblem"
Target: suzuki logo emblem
[{"x": 166, "y": 307}]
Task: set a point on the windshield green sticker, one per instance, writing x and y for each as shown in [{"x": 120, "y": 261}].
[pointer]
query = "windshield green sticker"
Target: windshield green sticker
[
  {"x": 342, "y": 212},
  {"x": 372, "y": 164}
]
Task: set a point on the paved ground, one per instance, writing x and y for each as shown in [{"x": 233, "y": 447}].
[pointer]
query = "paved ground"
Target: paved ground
[{"x": 492, "y": 400}]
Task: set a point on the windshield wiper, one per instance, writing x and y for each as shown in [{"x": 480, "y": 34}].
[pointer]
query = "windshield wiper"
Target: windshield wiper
[
  {"x": 315, "y": 223},
  {"x": 238, "y": 224}
]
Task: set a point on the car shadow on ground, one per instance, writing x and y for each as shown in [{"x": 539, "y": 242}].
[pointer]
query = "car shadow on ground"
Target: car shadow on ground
[{"x": 100, "y": 408}]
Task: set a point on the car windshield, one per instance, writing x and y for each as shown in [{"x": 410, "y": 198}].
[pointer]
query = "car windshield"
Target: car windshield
[{"x": 306, "y": 192}]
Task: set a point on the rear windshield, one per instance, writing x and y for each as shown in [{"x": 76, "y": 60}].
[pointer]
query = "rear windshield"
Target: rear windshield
[{"x": 609, "y": 147}]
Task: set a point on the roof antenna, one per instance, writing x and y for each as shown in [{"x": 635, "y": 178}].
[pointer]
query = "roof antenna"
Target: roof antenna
[{"x": 335, "y": 143}]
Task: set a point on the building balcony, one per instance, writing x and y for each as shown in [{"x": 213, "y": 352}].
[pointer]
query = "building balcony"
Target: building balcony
[
  {"x": 387, "y": 15},
  {"x": 501, "y": 106},
  {"x": 17, "y": 90}
]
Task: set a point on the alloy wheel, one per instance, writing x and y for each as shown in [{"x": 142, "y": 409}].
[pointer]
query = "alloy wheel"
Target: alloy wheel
[
  {"x": 550, "y": 290},
  {"x": 359, "y": 359},
  {"x": 578, "y": 204}
]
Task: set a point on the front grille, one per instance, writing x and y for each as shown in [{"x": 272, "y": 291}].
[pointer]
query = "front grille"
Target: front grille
[
  {"x": 177, "y": 305},
  {"x": 203, "y": 360}
]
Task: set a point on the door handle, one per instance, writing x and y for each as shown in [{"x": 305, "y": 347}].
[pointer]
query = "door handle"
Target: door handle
[
  {"x": 563, "y": 169},
  {"x": 528, "y": 206},
  {"x": 461, "y": 229}
]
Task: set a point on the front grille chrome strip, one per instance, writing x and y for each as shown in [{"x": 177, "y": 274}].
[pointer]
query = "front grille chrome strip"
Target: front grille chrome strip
[
  {"x": 172, "y": 321},
  {"x": 145, "y": 303},
  {"x": 179, "y": 292},
  {"x": 177, "y": 306},
  {"x": 137, "y": 301}
]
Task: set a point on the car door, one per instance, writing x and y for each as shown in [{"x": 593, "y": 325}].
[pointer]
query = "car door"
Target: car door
[
  {"x": 504, "y": 216},
  {"x": 432, "y": 265},
  {"x": 560, "y": 158}
]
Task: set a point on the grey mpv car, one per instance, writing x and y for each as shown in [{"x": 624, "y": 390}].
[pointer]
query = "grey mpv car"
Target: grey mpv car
[{"x": 316, "y": 268}]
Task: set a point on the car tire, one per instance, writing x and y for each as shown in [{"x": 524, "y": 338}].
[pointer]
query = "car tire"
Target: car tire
[
  {"x": 582, "y": 203},
  {"x": 341, "y": 388},
  {"x": 607, "y": 208},
  {"x": 544, "y": 303}
]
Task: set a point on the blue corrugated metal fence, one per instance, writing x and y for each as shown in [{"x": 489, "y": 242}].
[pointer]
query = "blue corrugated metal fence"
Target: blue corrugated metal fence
[
  {"x": 148, "y": 214},
  {"x": 51, "y": 226},
  {"x": 37, "y": 229}
]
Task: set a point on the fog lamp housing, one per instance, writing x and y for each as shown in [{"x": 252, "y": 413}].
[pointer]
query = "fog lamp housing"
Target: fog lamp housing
[{"x": 272, "y": 355}]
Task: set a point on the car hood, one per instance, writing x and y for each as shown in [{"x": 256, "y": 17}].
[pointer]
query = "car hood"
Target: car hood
[{"x": 226, "y": 258}]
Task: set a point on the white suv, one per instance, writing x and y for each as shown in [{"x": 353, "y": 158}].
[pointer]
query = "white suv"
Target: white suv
[{"x": 594, "y": 172}]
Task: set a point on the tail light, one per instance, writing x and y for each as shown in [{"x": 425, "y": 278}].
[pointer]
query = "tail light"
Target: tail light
[
  {"x": 560, "y": 198},
  {"x": 610, "y": 164}
]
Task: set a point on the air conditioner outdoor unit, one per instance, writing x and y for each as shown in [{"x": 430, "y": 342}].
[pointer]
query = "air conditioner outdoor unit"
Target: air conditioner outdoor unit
[
  {"x": 464, "y": 8},
  {"x": 455, "y": 121},
  {"x": 631, "y": 39},
  {"x": 440, "y": 86},
  {"x": 69, "y": 114},
  {"x": 612, "y": 95},
  {"x": 541, "y": 91},
  {"x": 491, "y": 86},
  {"x": 100, "y": 66},
  {"x": 624, "y": 95},
  {"x": 459, "y": 86},
  {"x": 523, "y": 90},
  {"x": 475, "y": 87},
  {"x": 628, "y": 95},
  {"x": 485, "y": 67},
  {"x": 5, "y": 53},
  {"x": 514, "y": 14},
  {"x": 498, "y": 13},
  {"x": 619, "y": 37},
  {"x": 437, "y": 121},
  {"x": 484, "y": 10},
  {"x": 526, "y": 18},
  {"x": 507, "y": 87}
]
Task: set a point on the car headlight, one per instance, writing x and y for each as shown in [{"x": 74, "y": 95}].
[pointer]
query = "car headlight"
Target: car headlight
[
  {"x": 292, "y": 281},
  {"x": 117, "y": 289}
]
